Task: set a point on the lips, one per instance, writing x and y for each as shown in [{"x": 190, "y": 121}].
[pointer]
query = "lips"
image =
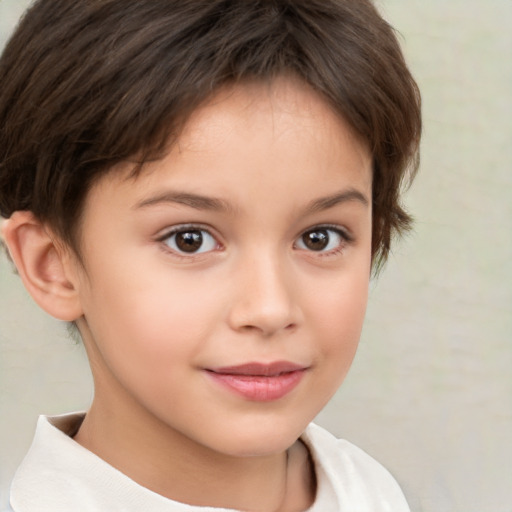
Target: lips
[{"x": 258, "y": 381}]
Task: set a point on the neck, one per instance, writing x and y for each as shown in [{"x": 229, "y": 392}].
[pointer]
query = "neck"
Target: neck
[{"x": 165, "y": 461}]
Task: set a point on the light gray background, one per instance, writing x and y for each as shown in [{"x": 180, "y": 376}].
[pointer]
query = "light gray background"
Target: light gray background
[{"x": 430, "y": 392}]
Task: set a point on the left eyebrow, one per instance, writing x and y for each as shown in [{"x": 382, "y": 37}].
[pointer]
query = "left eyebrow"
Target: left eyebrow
[
  {"x": 324, "y": 203},
  {"x": 196, "y": 201}
]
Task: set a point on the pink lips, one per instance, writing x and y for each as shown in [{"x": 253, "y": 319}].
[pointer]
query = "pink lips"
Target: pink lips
[{"x": 259, "y": 382}]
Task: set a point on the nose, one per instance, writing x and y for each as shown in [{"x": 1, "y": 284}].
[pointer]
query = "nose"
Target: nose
[{"x": 265, "y": 301}]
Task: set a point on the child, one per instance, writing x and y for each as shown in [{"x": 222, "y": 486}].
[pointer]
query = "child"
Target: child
[{"x": 202, "y": 188}]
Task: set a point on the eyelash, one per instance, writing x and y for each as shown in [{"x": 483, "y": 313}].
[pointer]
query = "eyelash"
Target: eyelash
[
  {"x": 187, "y": 228},
  {"x": 345, "y": 239},
  {"x": 344, "y": 236}
]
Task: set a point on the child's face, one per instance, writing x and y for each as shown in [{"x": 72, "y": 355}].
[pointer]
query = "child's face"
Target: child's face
[{"x": 249, "y": 243}]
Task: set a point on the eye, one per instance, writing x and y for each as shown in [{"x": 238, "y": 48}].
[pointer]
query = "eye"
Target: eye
[
  {"x": 321, "y": 239},
  {"x": 190, "y": 241}
]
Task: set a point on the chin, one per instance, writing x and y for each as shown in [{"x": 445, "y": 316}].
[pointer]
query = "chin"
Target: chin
[{"x": 261, "y": 437}]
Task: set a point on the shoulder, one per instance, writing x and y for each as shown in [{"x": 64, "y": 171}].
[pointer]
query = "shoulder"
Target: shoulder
[
  {"x": 41, "y": 477},
  {"x": 59, "y": 475},
  {"x": 350, "y": 476}
]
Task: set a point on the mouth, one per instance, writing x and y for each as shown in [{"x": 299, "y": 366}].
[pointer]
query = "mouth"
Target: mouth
[{"x": 259, "y": 382}]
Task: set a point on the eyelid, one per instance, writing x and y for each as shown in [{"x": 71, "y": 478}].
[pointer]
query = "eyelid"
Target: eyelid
[
  {"x": 341, "y": 231},
  {"x": 176, "y": 228},
  {"x": 179, "y": 228}
]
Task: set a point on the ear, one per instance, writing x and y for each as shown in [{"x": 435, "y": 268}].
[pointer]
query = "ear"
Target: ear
[{"x": 45, "y": 266}]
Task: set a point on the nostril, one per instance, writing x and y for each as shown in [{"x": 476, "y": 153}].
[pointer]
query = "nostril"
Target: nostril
[{"x": 266, "y": 304}]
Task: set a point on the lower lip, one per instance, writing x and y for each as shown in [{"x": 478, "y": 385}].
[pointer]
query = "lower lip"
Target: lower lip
[{"x": 260, "y": 388}]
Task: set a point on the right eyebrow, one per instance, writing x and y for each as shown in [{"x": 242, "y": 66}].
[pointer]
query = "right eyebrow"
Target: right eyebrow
[
  {"x": 344, "y": 196},
  {"x": 196, "y": 201}
]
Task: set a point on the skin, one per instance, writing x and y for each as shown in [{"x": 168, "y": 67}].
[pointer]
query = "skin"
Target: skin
[{"x": 278, "y": 162}]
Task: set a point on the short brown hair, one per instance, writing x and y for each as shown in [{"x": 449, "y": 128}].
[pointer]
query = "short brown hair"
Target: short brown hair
[{"x": 90, "y": 83}]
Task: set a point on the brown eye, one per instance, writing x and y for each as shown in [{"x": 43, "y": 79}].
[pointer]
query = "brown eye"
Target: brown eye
[
  {"x": 321, "y": 239},
  {"x": 316, "y": 240},
  {"x": 190, "y": 241}
]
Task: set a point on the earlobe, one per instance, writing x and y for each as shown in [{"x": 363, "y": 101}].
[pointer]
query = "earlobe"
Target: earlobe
[{"x": 44, "y": 267}]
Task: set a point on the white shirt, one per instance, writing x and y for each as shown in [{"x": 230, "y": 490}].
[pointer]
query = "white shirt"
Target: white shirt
[{"x": 59, "y": 475}]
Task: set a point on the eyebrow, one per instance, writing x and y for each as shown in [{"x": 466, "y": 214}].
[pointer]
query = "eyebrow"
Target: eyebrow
[
  {"x": 200, "y": 202},
  {"x": 324, "y": 203},
  {"x": 196, "y": 201}
]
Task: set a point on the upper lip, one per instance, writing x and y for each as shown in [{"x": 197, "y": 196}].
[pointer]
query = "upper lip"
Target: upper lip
[{"x": 260, "y": 369}]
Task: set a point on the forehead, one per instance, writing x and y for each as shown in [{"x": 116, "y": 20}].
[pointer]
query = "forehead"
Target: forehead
[
  {"x": 256, "y": 135},
  {"x": 287, "y": 107}
]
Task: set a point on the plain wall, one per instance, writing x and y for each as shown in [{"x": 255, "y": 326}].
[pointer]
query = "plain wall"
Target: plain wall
[{"x": 430, "y": 391}]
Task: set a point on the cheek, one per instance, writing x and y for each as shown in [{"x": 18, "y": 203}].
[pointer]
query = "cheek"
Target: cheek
[
  {"x": 340, "y": 311},
  {"x": 336, "y": 313},
  {"x": 152, "y": 319},
  {"x": 341, "y": 304}
]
